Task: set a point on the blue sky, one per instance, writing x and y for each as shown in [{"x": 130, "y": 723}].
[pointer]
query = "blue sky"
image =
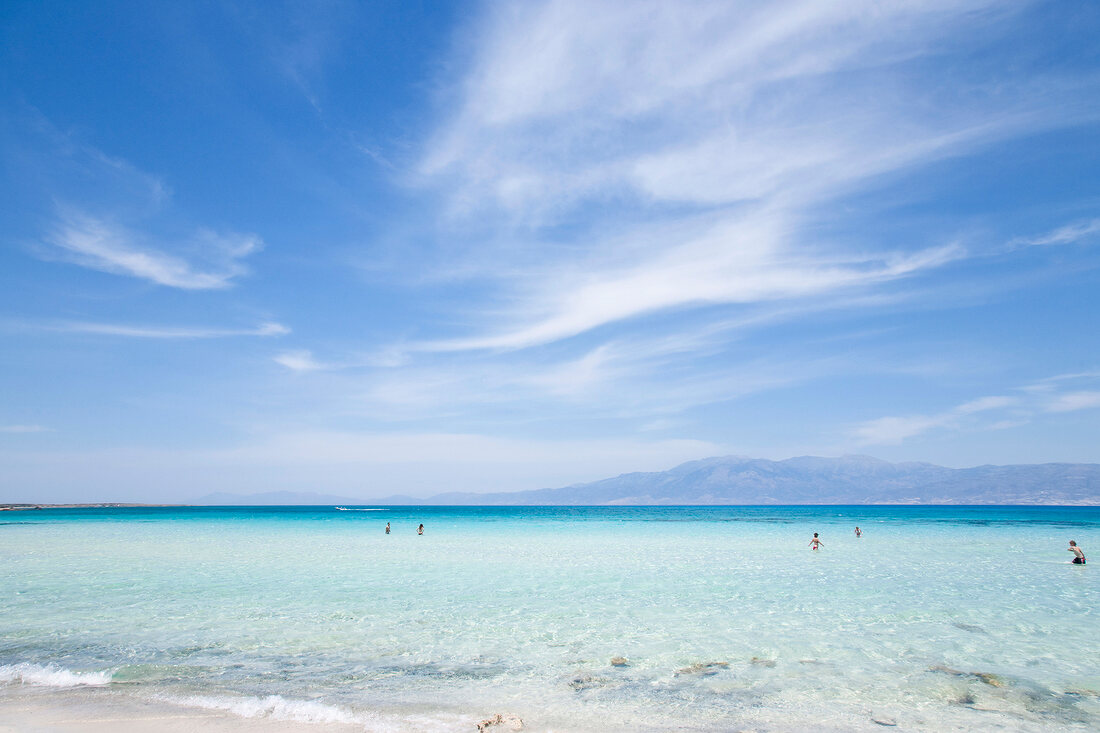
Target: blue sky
[{"x": 377, "y": 248}]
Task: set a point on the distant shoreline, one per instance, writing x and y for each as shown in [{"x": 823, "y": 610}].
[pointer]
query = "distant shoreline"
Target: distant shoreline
[{"x": 98, "y": 505}]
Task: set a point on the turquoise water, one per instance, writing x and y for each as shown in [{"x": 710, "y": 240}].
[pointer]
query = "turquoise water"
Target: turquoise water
[{"x": 941, "y": 618}]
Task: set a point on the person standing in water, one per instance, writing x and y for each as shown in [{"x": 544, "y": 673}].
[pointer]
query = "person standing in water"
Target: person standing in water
[
  {"x": 387, "y": 527},
  {"x": 815, "y": 542},
  {"x": 420, "y": 529},
  {"x": 1078, "y": 556},
  {"x": 859, "y": 532}
]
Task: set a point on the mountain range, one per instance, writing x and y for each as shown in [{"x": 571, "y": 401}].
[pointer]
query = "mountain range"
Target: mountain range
[{"x": 804, "y": 480}]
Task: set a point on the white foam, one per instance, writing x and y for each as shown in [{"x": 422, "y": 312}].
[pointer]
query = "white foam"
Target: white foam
[
  {"x": 347, "y": 509},
  {"x": 276, "y": 707},
  {"x": 51, "y": 676}
]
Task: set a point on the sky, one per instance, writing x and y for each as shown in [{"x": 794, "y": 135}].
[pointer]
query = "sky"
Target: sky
[{"x": 413, "y": 247}]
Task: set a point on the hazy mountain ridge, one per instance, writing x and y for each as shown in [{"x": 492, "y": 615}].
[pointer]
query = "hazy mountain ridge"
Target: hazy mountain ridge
[
  {"x": 814, "y": 480},
  {"x": 801, "y": 480}
]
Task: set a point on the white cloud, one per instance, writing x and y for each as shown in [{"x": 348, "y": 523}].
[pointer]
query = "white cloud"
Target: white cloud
[
  {"x": 702, "y": 101},
  {"x": 629, "y": 161},
  {"x": 1045, "y": 396},
  {"x": 164, "y": 332},
  {"x": 895, "y": 430},
  {"x": 1052, "y": 384},
  {"x": 1072, "y": 401},
  {"x": 742, "y": 261},
  {"x": 1068, "y": 234},
  {"x": 704, "y": 135},
  {"x": 106, "y": 214},
  {"x": 620, "y": 380},
  {"x": 578, "y": 376},
  {"x": 100, "y": 245},
  {"x": 986, "y": 403},
  {"x": 300, "y": 361}
]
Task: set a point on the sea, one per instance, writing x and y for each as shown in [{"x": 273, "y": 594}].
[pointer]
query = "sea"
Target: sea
[{"x": 567, "y": 618}]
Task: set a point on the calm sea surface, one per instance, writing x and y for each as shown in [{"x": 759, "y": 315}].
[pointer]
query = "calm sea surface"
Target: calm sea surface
[{"x": 942, "y": 618}]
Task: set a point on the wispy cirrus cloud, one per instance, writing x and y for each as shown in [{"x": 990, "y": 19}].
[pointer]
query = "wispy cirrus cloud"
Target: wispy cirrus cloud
[
  {"x": 1044, "y": 396},
  {"x": 150, "y": 332},
  {"x": 895, "y": 430},
  {"x": 707, "y": 137},
  {"x": 1068, "y": 234},
  {"x": 731, "y": 264},
  {"x": 106, "y": 246},
  {"x": 24, "y": 429},
  {"x": 701, "y": 101},
  {"x": 631, "y": 188},
  {"x": 104, "y": 213},
  {"x": 618, "y": 380},
  {"x": 1073, "y": 401},
  {"x": 301, "y": 360}
]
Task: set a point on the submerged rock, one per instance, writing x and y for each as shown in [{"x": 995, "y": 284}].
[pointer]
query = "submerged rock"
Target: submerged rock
[
  {"x": 703, "y": 669},
  {"x": 763, "y": 662},
  {"x": 882, "y": 720},
  {"x": 585, "y": 682},
  {"x": 501, "y": 722},
  {"x": 987, "y": 677},
  {"x": 619, "y": 662},
  {"x": 970, "y": 627},
  {"x": 947, "y": 670}
]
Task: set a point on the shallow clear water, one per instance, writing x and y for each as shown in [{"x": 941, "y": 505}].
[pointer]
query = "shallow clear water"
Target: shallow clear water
[{"x": 938, "y": 618}]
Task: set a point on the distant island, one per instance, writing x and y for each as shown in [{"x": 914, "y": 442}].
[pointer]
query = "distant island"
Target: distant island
[{"x": 737, "y": 480}]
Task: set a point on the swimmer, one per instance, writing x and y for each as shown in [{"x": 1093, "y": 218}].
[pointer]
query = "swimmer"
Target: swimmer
[
  {"x": 387, "y": 527},
  {"x": 859, "y": 532},
  {"x": 420, "y": 529},
  {"x": 815, "y": 542},
  {"x": 1078, "y": 556}
]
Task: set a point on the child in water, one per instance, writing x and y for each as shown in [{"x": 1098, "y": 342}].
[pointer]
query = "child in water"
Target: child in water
[
  {"x": 859, "y": 532},
  {"x": 420, "y": 529},
  {"x": 1078, "y": 556},
  {"x": 815, "y": 542},
  {"x": 387, "y": 527}
]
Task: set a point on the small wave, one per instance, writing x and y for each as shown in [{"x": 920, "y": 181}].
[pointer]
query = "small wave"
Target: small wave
[
  {"x": 354, "y": 509},
  {"x": 51, "y": 676},
  {"x": 276, "y": 707}
]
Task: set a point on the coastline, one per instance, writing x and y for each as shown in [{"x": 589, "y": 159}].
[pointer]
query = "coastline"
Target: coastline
[
  {"x": 99, "y": 505},
  {"x": 94, "y": 708},
  {"x": 106, "y": 711}
]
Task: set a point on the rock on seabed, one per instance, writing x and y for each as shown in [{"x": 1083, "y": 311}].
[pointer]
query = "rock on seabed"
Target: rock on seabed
[
  {"x": 501, "y": 721},
  {"x": 703, "y": 669}
]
